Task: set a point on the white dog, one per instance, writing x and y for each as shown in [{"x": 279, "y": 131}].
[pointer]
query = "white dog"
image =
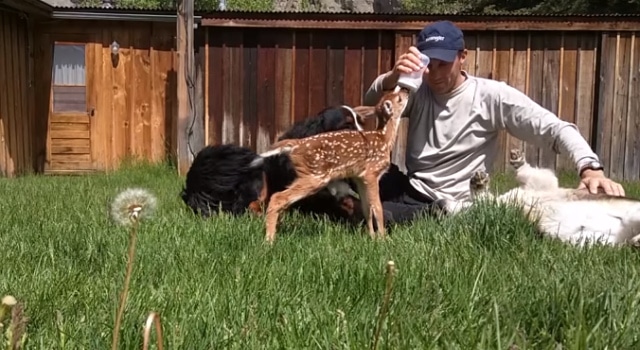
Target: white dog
[{"x": 571, "y": 215}]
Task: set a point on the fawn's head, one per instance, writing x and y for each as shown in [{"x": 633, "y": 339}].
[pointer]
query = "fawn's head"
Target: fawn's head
[{"x": 391, "y": 105}]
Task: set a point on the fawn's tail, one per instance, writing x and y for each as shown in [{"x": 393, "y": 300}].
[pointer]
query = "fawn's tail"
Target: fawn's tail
[{"x": 259, "y": 159}]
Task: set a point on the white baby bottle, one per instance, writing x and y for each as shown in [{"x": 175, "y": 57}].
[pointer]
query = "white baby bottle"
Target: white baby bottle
[{"x": 413, "y": 80}]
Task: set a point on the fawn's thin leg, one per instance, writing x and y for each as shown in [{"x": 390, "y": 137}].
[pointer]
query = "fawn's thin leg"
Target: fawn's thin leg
[
  {"x": 280, "y": 201},
  {"x": 365, "y": 203},
  {"x": 373, "y": 194}
]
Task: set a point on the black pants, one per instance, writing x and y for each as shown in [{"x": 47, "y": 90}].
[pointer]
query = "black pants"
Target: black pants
[{"x": 401, "y": 202}]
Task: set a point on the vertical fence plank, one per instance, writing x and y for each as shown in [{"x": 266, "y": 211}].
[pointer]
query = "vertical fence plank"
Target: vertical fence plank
[
  {"x": 518, "y": 76},
  {"x": 248, "y": 73},
  {"x": 550, "y": 79},
  {"x": 370, "y": 63},
  {"x": 484, "y": 55},
  {"x": 4, "y": 105},
  {"x": 470, "y": 41},
  {"x": 265, "y": 89},
  {"x": 141, "y": 91},
  {"x": 204, "y": 47},
  {"x": 94, "y": 81},
  {"x": 318, "y": 72},
  {"x": 370, "y": 58},
  {"x": 127, "y": 80},
  {"x": 536, "y": 66},
  {"x": 606, "y": 98},
  {"x": 217, "y": 78},
  {"x": 621, "y": 101},
  {"x": 163, "y": 86},
  {"x": 353, "y": 84},
  {"x": 22, "y": 119},
  {"x": 632, "y": 144},
  {"x": 302, "y": 57},
  {"x": 284, "y": 81},
  {"x": 501, "y": 72},
  {"x": 105, "y": 101},
  {"x": 30, "y": 52},
  {"x": 197, "y": 125},
  {"x": 233, "y": 82},
  {"x": 585, "y": 85},
  {"x": 335, "y": 69},
  {"x": 403, "y": 40},
  {"x": 567, "y": 89},
  {"x": 11, "y": 131},
  {"x": 387, "y": 60},
  {"x": 119, "y": 115}
]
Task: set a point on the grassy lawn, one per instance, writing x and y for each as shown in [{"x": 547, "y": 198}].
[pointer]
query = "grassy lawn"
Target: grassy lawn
[{"x": 480, "y": 281}]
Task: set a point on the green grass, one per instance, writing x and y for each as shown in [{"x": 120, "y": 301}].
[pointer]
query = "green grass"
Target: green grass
[{"x": 479, "y": 281}]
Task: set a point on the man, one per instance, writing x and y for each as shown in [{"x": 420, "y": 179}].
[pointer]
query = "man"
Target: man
[{"x": 454, "y": 120}]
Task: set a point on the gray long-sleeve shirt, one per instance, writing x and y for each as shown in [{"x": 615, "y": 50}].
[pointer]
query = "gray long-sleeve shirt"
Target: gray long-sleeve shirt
[{"x": 451, "y": 136}]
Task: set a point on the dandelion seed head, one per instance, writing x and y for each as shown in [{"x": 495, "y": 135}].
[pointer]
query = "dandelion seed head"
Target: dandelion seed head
[
  {"x": 9, "y": 300},
  {"x": 133, "y": 205}
]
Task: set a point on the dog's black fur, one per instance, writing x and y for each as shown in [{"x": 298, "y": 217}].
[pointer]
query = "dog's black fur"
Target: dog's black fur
[{"x": 220, "y": 177}]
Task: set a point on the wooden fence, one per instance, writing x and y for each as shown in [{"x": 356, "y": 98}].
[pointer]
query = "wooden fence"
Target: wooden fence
[
  {"x": 255, "y": 78},
  {"x": 618, "y": 117},
  {"x": 260, "y": 80},
  {"x": 17, "y": 121}
]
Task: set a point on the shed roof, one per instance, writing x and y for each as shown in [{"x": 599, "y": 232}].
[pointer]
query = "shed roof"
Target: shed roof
[
  {"x": 59, "y": 3},
  {"x": 397, "y": 20},
  {"x": 209, "y": 11}
]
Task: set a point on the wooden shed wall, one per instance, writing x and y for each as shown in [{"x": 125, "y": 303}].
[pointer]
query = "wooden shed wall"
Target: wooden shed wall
[
  {"x": 135, "y": 98},
  {"x": 260, "y": 81},
  {"x": 17, "y": 117}
]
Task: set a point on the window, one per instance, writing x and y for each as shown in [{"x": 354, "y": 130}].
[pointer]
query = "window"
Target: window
[{"x": 68, "y": 77}]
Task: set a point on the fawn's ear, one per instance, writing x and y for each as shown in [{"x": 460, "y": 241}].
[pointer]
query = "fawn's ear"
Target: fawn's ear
[
  {"x": 365, "y": 112},
  {"x": 359, "y": 115}
]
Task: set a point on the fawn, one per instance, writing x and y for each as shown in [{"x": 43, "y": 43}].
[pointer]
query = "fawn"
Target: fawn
[{"x": 362, "y": 155}]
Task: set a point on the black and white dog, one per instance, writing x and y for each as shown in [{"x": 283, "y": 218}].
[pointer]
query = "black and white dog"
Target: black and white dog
[{"x": 222, "y": 178}]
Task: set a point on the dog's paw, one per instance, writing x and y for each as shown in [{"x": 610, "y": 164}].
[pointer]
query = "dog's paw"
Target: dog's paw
[
  {"x": 516, "y": 158},
  {"x": 635, "y": 241},
  {"x": 479, "y": 181}
]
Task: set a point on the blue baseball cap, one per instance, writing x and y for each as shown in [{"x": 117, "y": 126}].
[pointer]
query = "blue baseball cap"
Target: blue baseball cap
[{"x": 441, "y": 40}]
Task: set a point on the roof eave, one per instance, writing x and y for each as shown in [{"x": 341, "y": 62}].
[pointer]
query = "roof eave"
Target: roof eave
[
  {"x": 118, "y": 15},
  {"x": 413, "y": 21},
  {"x": 34, "y": 7}
]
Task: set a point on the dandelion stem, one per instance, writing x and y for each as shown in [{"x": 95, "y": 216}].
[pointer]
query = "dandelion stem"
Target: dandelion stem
[
  {"x": 125, "y": 289},
  {"x": 152, "y": 318},
  {"x": 391, "y": 269},
  {"x": 16, "y": 328}
]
